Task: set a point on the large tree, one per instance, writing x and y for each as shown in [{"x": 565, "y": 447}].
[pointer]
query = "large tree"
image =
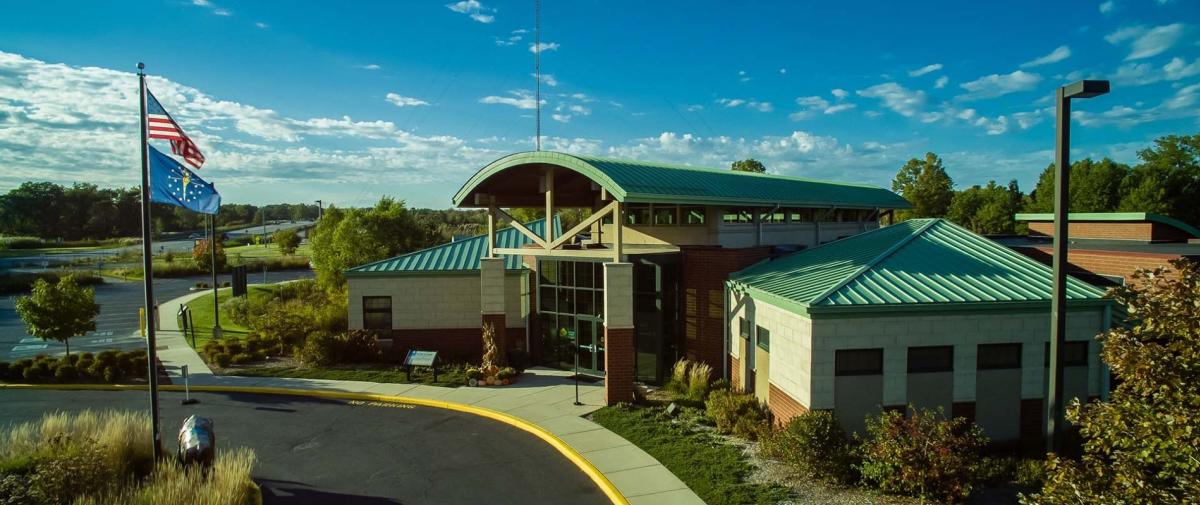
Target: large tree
[
  {"x": 926, "y": 185},
  {"x": 287, "y": 241},
  {"x": 345, "y": 238},
  {"x": 987, "y": 209},
  {"x": 1167, "y": 180},
  {"x": 1096, "y": 186},
  {"x": 204, "y": 258},
  {"x": 59, "y": 311},
  {"x": 748, "y": 165},
  {"x": 1142, "y": 446}
]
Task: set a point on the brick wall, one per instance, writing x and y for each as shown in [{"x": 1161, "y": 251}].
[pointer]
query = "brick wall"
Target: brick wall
[
  {"x": 1115, "y": 263},
  {"x": 618, "y": 365},
  {"x": 452, "y": 344},
  {"x": 704, "y": 272},
  {"x": 1143, "y": 231},
  {"x": 735, "y": 376},
  {"x": 783, "y": 407}
]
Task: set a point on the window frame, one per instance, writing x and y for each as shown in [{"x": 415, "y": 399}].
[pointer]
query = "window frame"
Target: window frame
[
  {"x": 938, "y": 367},
  {"x": 744, "y": 328},
  {"x": 684, "y": 215},
  {"x": 764, "y": 344},
  {"x": 837, "y": 361},
  {"x": 366, "y": 311}
]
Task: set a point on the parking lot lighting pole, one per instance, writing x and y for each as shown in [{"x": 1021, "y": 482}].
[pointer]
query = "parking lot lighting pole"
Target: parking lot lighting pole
[{"x": 1058, "y": 300}]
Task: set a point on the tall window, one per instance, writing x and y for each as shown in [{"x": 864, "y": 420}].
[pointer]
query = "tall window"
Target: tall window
[
  {"x": 998, "y": 356},
  {"x": 763, "y": 338},
  {"x": 930, "y": 359},
  {"x": 377, "y": 312}
]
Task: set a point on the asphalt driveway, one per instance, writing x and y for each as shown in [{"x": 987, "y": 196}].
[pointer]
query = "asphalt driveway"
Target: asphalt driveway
[{"x": 331, "y": 451}]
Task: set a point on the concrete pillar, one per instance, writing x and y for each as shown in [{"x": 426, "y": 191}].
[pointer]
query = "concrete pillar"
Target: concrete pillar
[
  {"x": 491, "y": 282},
  {"x": 619, "y": 352}
]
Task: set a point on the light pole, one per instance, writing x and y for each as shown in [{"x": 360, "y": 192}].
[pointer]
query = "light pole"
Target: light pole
[
  {"x": 320, "y": 209},
  {"x": 1062, "y": 203}
]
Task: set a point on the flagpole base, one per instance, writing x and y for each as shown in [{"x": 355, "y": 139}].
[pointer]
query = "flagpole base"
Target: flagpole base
[{"x": 216, "y": 333}]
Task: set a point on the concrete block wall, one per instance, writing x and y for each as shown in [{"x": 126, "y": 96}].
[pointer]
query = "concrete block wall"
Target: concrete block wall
[
  {"x": 962, "y": 330},
  {"x": 790, "y": 366},
  {"x": 433, "y": 301}
]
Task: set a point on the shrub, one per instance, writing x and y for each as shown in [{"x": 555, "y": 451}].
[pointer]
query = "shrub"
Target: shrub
[
  {"x": 506, "y": 373},
  {"x": 111, "y": 374},
  {"x": 65, "y": 373},
  {"x": 234, "y": 346},
  {"x": 698, "y": 375},
  {"x": 358, "y": 346},
  {"x": 740, "y": 414},
  {"x": 320, "y": 349},
  {"x": 222, "y": 359},
  {"x": 242, "y": 358},
  {"x": 1030, "y": 473},
  {"x": 474, "y": 373},
  {"x": 31, "y": 374},
  {"x": 5, "y": 367},
  {"x": 71, "y": 359},
  {"x": 815, "y": 445},
  {"x": 922, "y": 454},
  {"x": 238, "y": 309}
]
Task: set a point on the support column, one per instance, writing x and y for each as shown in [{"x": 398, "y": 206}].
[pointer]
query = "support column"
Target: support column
[
  {"x": 491, "y": 281},
  {"x": 619, "y": 352}
]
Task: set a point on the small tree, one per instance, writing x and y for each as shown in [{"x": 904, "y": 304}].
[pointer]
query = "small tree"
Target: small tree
[
  {"x": 59, "y": 311},
  {"x": 288, "y": 241},
  {"x": 1142, "y": 446},
  {"x": 203, "y": 258},
  {"x": 748, "y": 165}
]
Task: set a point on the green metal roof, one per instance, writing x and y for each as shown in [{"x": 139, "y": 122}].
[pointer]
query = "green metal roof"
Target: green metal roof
[
  {"x": 1116, "y": 217},
  {"x": 460, "y": 256},
  {"x": 640, "y": 181},
  {"x": 926, "y": 263}
]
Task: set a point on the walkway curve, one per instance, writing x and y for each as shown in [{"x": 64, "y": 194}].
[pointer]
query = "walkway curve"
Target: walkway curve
[{"x": 566, "y": 450}]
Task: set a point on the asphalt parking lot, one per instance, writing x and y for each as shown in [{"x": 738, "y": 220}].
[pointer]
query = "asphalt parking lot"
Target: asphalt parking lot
[
  {"x": 116, "y": 327},
  {"x": 330, "y": 451}
]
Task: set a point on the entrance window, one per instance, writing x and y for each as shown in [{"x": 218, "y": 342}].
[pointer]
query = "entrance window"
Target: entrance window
[
  {"x": 665, "y": 215},
  {"x": 692, "y": 216},
  {"x": 638, "y": 214},
  {"x": 377, "y": 312},
  {"x": 737, "y": 217}
]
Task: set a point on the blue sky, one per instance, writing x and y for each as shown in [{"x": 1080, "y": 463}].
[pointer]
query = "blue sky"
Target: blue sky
[{"x": 346, "y": 104}]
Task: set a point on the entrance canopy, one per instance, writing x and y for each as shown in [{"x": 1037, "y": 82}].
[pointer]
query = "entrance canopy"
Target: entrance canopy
[{"x": 517, "y": 181}]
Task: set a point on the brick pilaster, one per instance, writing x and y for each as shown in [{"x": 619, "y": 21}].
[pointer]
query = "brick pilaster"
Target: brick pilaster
[{"x": 618, "y": 365}]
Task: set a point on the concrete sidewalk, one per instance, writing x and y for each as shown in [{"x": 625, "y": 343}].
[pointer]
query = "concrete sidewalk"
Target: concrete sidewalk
[{"x": 543, "y": 396}]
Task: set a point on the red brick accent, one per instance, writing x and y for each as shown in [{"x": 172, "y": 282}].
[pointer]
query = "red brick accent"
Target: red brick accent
[
  {"x": 503, "y": 343},
  {"x": 704, "y": 272},
  {"x": 783, "y": 407},
  {"x": 963, "y": 409},
  {"x": 1090, "y": 261},
  {"x": 452, "y": 344},
  {"x": 735, "y": 376},
  {"x": 1144, "y": 231},
  {"x": 1033, "y": 423},
  {"x": 618, "y": 365}
]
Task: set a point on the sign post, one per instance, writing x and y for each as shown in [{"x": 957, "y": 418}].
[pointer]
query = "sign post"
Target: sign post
[
  {"x": 575, "y": 345},
  {"x": 187, "y": 391}
]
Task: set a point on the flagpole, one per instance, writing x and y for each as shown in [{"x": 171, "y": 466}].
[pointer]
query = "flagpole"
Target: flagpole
[
  {"x": 212, "y": 256},
  {"x": 148, "y": 271}
]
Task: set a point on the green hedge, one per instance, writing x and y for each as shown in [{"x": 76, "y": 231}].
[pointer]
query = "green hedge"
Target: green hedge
[{"x": 107, "y": 366}]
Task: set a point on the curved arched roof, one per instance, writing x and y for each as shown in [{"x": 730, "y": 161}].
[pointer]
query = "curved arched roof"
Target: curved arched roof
[{"x": 640, "y": 181}]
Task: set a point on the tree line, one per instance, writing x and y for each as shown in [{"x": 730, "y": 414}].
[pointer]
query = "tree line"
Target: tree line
[
  {"x": 87, "y": 212},
  {"x": 1166, "y": 180}
]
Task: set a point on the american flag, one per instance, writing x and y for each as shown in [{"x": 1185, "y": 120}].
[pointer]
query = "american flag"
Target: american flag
[{"x": 162, "y": 126}]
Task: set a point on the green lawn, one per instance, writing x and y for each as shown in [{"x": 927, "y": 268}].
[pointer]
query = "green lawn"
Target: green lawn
[
  {"x": 713, "y": 469},
  {"x": 7, "y": 253},
  {"x": 202, "y": 313},
  {"x": 251, "y": 252},
  {"x": 451, "y": 377}
]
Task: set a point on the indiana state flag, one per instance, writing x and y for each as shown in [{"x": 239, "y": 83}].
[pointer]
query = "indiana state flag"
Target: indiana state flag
[{"x": 173, "y": 183}]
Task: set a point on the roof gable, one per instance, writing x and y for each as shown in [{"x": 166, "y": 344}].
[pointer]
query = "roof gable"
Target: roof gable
[
  {"x": 914, "y": 263},
  {"x": 459, "y": 256}
]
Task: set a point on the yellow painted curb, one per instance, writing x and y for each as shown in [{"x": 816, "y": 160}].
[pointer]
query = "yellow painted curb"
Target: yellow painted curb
[{"x": 563, "y": 448}]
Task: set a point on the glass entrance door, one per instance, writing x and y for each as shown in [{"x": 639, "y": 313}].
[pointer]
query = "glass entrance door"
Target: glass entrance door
[{"x": 589, "y": 332}]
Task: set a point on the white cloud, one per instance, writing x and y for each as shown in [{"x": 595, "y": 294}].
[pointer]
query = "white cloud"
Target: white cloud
[
  {"x": 933, "y": 67},
  {"x": 261, "y": 25},
  {"x": 753, "y": 104},
  {"x": 542, "y": 47},
  {"x": 562, "y": 118},
  {"x": 742, "y": 76},
  {"x": 217, "y": 11},
  {"x": 46, "y": 108},
  {"x": 783, "y": 71},
  {"x": 899, "y": 99},
  {"x": 1140, "y": 74},
  {"x": 1177, "y": 68},
  {"x": 474, "y": 10},
  {"x": 221, "y": 12},
  {"x": 834, "y": 109},
  {"x": 1147, "y": 42},
  {"x": 404, "y": 101},
  {"x": 547, "y": 79},
  {"x": 994, "y": 85},
  {"x": 1058, "y": 54},
  {"x": 941, "y": 82},
  {"x": 371, "y": 66},
  {"x": 810, "y": 106},
  {"x": 520, "y": 99},
  {"x": 1185, "y": 103},
  {"x": 839, "y": 93},
  {"x": 1107, "y": 6}
]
